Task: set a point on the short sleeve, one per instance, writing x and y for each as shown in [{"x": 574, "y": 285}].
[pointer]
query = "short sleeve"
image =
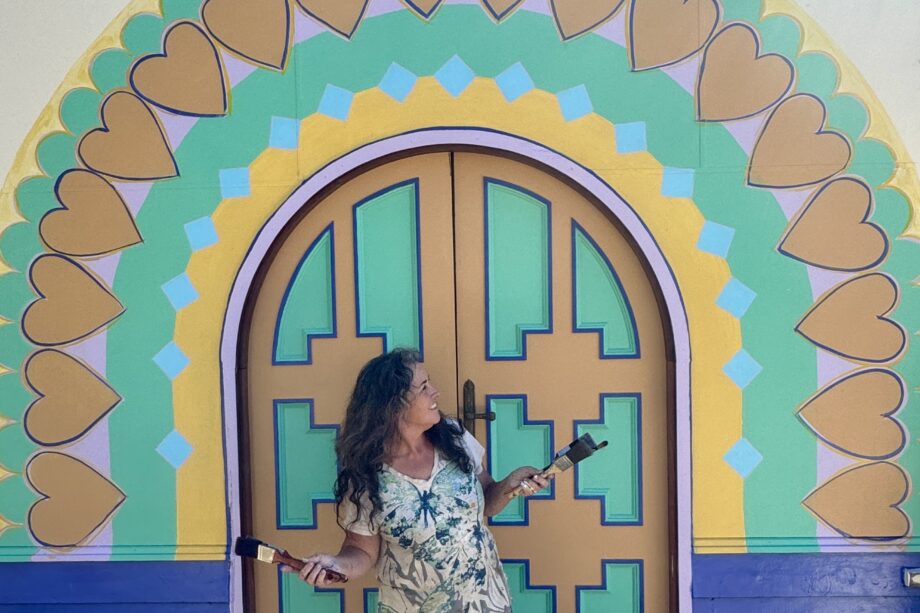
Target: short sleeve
[
  {"x": 348, "y": 512},
  {"x": 474, "y": 450}
]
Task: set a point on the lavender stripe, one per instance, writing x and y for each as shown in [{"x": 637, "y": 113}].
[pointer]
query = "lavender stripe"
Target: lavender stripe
[
  {"x": 237, "y": 69},
  {"x": 104, "y": 267},
  {"x": 91, "y": 350},
  {"x": 134, "y": 194},
  {"x": 176, "y": 126},
  {"x": 614, "y": 30}
]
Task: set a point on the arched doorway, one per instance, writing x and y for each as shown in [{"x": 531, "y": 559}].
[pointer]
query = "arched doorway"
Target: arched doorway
[{"x": 501, "y": 274}]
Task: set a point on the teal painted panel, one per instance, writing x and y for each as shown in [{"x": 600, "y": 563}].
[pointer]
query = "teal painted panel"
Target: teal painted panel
[
  {"x": 514, "y": 441},
  {"x": 297, "y": 596},
  {"x": 387, "y": 275},
  {"x": 307, "y": 310},
  {"x": 371, "y": 596},
  {"x": 599, "y": 301},
  {"x": 524, "y": 597},
  {"x": 518, "y": 265},
  {"x": 304, "y": 462},
  {"x": 621, "y": 591},
  {"x": 614, "y": 475}
]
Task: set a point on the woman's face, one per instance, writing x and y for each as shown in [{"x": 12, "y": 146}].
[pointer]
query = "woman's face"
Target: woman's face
[{"x": 423, "y": 400}]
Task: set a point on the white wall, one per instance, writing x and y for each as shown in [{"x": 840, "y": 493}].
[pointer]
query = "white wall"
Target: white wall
[{"x": 41, "y": 39}]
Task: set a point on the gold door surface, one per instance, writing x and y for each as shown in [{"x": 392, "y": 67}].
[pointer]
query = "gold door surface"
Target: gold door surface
[{"x": 500, "y": 274}]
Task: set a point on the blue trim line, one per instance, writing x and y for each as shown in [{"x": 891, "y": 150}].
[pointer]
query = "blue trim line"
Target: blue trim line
[
  {"x": 422, "y": 12},
  {"x": 632, "y": 53},
  {"x": 527, "y": 584},
  {"x": 418, "y": 266},
  {"x": 319, "y": 590},
  {"x": 600, "y": 421},
  {"x": 89, "y": 583},
  {"x": 309, "y": 337},
  {"x": 220, "y": 67},
  {"x": 287, "y": 37},
  {"x": 348, "y": 34},
  {"x": 503, "y": 14},
  {"x": 584, "y": 30},
  {"x": 616, "y": 278},
  {"x": 526, "y": 422},
  {"x": 756, "y": 37},
  {"x": 864, "y": 221},
  {"x": 858, "y": 358},
  {"x": 603, "y": 585},
  {"x": 844, "y": 137},
  {"x": 802, "y": 575},
  {"x": 276, "y": 403},
  {"x": 364, "y": 594},
  {"x": 897, "y": 407},
  {"x": 486, "y": 181}
]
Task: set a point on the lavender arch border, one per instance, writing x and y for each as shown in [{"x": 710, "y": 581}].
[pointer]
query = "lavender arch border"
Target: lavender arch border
[{"x": 496, "y": 141}]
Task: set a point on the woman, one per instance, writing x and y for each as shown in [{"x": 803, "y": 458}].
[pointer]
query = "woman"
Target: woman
[{"x": 411, "y": 495}]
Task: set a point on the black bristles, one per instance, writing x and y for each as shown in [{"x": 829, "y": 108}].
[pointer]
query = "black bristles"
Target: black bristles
[
  {"x": 582, "y": 447},
  {"x": 247, "y": 547}
]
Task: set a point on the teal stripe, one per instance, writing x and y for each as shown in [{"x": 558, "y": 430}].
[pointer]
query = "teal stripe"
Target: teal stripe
[
  {"x": 387, "y": 284},
  {"x": 621, "y": 591},
  {"x": 298, "y": 596},
  {"x": 524, "y": 598},
  {"x": 514, "y": 441},
  {"x": 615, "y": 474},
  {"x": 601, "y": 304},
  {"x": 305, "y": 461},
  {"x": 308, "y": 308},
  {"x": 518, "y": 291}
]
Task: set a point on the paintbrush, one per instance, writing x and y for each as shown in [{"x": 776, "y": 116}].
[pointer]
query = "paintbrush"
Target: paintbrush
[
  {"x": 249, "y": 547},
  {"x": 566, "y": 458}
]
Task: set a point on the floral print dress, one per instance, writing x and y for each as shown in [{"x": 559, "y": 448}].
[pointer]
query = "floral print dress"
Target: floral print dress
[{"x": 436, "y": 553}]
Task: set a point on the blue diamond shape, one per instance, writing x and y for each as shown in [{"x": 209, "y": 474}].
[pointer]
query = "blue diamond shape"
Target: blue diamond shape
[
  {"x": 575, "y": 102},
  {"x": 743, "y": 457},
  {"x": 677, "y": 182},
  {"x": 284, "y": 133},
  {"x": 397, "y": 82},
  {"x": 742, "y": 369},
  {"x": 234, "y": 182},
  {"x": 736, "y": 297},
  {"x": 630, "y": 137},
  {"x": 174, "y": 449},
  {"x": 336, "y": 102},
  {"x": 201, "y": 233},
  {"x": 454, "y": 75},
  {"x": 715, "y": 238},
  {"x": 514, "y": 82},
  {"x": 171, "y": 360},
  {"x": 180, "y": 291}
]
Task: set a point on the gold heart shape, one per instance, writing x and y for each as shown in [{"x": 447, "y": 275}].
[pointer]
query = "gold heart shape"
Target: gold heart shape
[
  {"x": 76, "y": 500},
  {"x": 72, "y": 398},
  {"x": 72, "y": 303},
  {"x": 187, "y": 78},
  {"x": 499, "y": 9},
  {"x": 343, "y": 16},
  {"x": 862, "y": 502},
  {"x": 735, "y": 80},
  {"x": 575, "y": 17},
  {"x": 832, "y": 230},
  {"x": 94, "y": 220},
  {"x": 663, "y": 32},
  {"x": 854, "y": 414},
  {"x": 130, "y": 144},
  {"x": 850, "y": 321},
  {"x": 258, "y": 30},
  {"x": 423, "y": 8},
  {"x": 794, "y": 149}
]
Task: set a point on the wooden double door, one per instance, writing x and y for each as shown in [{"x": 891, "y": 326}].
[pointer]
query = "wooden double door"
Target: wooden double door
[{"x": 501, "y": 274}]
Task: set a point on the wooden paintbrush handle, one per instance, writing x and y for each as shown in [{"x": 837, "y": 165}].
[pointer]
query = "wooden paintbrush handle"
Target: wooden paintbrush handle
[
  {"x": 550, "y": 470},
  {"x": 282, "y": 557}
]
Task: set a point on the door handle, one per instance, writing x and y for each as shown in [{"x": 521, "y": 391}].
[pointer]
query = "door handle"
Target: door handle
[{"x": 469, "y": 408}]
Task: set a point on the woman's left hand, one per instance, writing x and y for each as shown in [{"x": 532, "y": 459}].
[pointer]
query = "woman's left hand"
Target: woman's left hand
[{"x": 528, "y": 478}]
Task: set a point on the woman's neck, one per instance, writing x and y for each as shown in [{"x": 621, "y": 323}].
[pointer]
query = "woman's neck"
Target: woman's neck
[{"x": 411, "y": 442}]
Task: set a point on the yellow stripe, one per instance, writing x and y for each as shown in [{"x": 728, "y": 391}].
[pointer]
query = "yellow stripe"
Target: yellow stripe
[{"x": 675, "y": 223}]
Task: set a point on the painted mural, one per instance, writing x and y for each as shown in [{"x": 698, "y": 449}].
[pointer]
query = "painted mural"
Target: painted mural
[{"x": 757, "y": 158}]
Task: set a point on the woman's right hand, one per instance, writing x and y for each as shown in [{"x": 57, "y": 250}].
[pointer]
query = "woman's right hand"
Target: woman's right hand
[{"x": 314, "y": 572}]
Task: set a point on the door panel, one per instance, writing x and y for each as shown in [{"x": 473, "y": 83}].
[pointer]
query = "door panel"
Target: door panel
[
  {"x": 349, "y": 281},
  {"x": 600, "y": 368},
  {"x": 541, "y": 302}
]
